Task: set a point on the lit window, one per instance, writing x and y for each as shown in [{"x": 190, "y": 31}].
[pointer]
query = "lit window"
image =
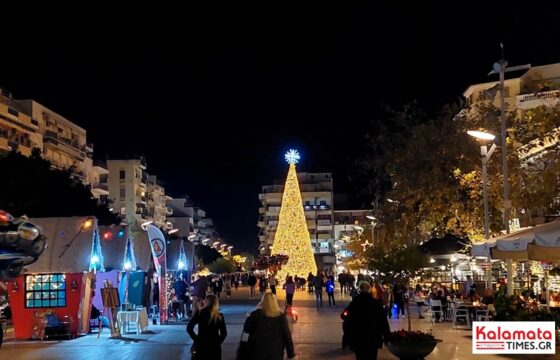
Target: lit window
[{"x": 47, "y": 290}]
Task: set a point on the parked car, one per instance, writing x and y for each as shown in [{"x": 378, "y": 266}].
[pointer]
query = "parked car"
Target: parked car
[{"x": 21, "y": 244}]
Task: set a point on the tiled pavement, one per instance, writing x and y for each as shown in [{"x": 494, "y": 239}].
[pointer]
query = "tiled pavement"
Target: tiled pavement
[{"x": 317, "y": 335}]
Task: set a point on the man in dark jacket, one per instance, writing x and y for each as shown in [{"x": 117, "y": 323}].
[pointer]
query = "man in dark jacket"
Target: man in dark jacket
[{"x": 365, "y": 325}]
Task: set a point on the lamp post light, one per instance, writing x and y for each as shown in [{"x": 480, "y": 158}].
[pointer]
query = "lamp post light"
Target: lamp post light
[
  {"x": 486, "y": 154},
  {"x": 373, "y": 223}
]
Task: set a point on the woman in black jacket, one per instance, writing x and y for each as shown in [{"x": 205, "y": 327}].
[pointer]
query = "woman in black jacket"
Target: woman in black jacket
[
  {"x": 268, "y": 332},
  {"x": 211, "y": 330}
]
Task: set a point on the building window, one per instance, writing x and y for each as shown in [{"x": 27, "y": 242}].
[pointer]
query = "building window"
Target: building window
[
  {"x": 122, "y": 174},
  {"x": 13, "y": 112},
  {"x": 123, "y": 193},
  {"x": 47, "y": 290},
  {"x": 34, "y": 122}
]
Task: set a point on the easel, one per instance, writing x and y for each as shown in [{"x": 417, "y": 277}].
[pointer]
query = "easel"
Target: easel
[{"x": 110, "y": 296}]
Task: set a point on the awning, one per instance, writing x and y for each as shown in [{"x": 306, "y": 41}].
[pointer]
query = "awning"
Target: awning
[{"x": 539, "y": 243}]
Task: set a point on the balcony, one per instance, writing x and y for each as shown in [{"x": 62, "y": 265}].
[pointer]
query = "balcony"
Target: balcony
[
  {"x": 274, "y": 209},
  {"x": 99, "y": 189},
  {"x": 324, "y": 222},
  {"x": 273, "y": 222},
  {"x": 55, "y": 138},
  {"x": 545, "y": 98},
  {"x": 273, "y": 189},
  {"x": 260, "y": 224}
]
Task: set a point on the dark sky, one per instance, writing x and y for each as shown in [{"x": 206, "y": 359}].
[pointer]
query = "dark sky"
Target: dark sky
[{"x": 214, "y": 97}]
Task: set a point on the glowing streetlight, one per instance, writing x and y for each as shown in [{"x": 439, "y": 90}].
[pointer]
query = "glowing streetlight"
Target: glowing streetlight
[
  {"x": 87, "y": 224},
  {"x": 481, "y": 135},
  {"x": 172, "y": 231}
]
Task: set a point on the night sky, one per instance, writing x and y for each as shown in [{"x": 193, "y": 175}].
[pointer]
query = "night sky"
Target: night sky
[{"x": 214, "y": 97}]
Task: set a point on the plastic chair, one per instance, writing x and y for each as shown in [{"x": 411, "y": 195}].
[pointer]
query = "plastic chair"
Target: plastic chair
[
  {"x": 450, "y": 312},
  {"x": 461, "y": 313},
  {"x": 482, "y": 315},
  {"x": 435, "y": 309}
]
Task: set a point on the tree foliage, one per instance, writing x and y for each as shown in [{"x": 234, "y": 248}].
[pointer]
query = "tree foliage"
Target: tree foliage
[
  {"x": 222, "y": 266},
  {"x": 206, "y": 254},
  {"x": 433, "y": 169},
  {"x": 30, "y": 186}
]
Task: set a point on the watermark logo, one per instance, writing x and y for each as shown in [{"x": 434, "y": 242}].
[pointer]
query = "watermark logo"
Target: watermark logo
[{"x": 514, "y": 337}]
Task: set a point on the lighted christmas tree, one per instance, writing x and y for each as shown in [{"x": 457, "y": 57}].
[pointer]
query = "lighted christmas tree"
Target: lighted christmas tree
[{"x": 292, "y": 236}]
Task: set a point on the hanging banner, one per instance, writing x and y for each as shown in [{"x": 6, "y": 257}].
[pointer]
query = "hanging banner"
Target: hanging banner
[{"x": 157, "y": 244}]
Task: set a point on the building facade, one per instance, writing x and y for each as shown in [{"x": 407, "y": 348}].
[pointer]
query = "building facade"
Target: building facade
[
  {"x": 537, "y": 86},
  {"x": 127, "y": 182},
  {"x": 18, "y": 130}
]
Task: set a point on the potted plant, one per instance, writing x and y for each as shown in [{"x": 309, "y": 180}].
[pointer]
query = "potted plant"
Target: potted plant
[
  {"x": 400, "y": 264},
  {"x": 407, "y": 344}
]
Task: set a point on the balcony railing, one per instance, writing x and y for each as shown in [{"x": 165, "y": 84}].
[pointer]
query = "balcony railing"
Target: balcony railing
[
  {"x": 547, "y": 98},
  {"x": 102, "y": 186}
]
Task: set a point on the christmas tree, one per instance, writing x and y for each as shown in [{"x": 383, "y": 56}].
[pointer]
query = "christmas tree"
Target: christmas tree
[{"x": 292, "y": 237}]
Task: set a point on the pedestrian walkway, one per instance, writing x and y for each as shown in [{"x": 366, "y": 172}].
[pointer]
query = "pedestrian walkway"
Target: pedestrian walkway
[{"x": 317, "y": 335}]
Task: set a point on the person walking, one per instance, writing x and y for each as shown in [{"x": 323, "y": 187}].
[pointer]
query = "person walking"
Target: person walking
[
  {"x": 272, "y": 282},
  {"x": 387, "y": 298},
  {"x": 330, "y": 291},
  {"x": 252, "y": 281},
  {"x": 318, "y": 284},
  {"x": 365, "y": 325},
  {"x": 420, "y": 299},
  {"x": 310, "y": 286},
  {"x": 212, "y": 331},
  {"x": 398, "y": 298},
  {"x": 290, "y": 288},
  {"x": 227, "y": 285},
  {"x": 266, "y": 333},
  {"x": 199, "y": 293},
  {"x": 262, "y": 284}
]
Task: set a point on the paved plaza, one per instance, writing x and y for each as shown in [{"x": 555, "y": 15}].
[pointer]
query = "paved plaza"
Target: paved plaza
[{"x": 317, "y": 335}]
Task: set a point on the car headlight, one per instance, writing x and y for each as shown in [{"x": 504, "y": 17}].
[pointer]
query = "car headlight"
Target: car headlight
[{"x": 28, "y": 231}]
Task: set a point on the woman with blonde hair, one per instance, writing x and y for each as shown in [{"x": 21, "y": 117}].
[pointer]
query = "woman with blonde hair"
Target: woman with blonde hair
[
  {"x": 266, "y": 333},
  {"x": 212, "y": 332}
]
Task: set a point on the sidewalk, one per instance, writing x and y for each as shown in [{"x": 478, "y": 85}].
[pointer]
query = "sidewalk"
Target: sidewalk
[{"x": 317, "y": 335}]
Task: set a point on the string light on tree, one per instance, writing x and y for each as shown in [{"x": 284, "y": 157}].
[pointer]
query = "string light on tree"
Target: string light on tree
[
  {"x": 366, "y": 244},
  {"x": 292, "y": 236}
]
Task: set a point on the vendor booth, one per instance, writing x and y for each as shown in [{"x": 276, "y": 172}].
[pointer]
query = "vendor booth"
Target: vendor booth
[{"x": 52, "y": 297}]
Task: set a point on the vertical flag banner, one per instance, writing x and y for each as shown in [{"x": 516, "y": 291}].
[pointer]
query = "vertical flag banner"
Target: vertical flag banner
[{"x": 157, "y": 244}]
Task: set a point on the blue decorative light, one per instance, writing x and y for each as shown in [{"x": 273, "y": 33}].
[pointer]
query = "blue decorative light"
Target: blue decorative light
[
  {"x": 120, "y": 234},
  {"x": 292, "y": 157}
]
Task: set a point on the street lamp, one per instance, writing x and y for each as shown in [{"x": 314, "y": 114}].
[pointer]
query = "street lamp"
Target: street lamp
[
  {"x": 501, "y": 67},
  {"x": 486, "y": 154},
  {"x": 373, "y": 222}
]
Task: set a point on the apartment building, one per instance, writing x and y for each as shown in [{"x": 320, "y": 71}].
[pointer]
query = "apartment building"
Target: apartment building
[
  {"x": 537, "y": 86},
  {"x": 18, "y": 130},
  {"x": 64, "y": 143},
  {"x": 156, "y": 203},
  {"x": 127, "y": 184}
]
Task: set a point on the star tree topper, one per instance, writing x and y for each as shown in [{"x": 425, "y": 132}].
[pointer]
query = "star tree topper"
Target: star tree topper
[{"x": 292, "y": 157}]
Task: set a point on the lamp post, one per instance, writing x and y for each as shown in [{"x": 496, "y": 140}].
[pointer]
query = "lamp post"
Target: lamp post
[
  {"x": 485, "y": 154},
  {"x": 501, "y": 67},
  {"x": 373, "y": 223}
]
